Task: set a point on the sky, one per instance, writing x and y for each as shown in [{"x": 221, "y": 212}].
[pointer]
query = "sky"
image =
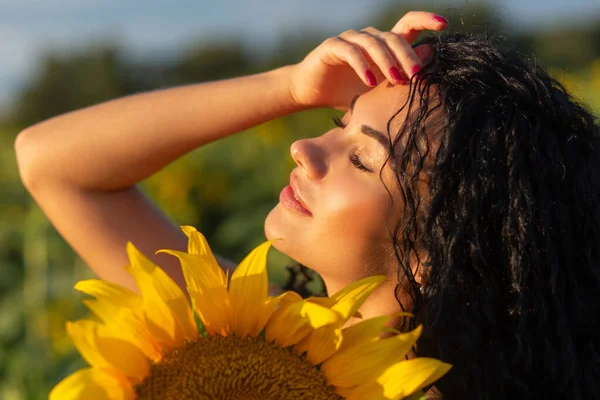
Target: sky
[{"x": 152, "y": 28}]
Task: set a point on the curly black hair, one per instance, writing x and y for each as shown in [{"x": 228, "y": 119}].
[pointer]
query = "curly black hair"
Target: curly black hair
[{"x": 508, "y": 230}]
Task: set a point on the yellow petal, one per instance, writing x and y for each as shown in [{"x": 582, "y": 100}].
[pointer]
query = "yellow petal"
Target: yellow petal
[
  {"x": 92, "y": 384},
  {"x": 212, "y": 307},
  {"x": 199, "y": 270},
  {"x": 268, "y": 308},
  {"x": 367, "y": 330},
  {"x": 198, "y": 246},
  {"x": 131, "y": 326},
  {"x": 348, "y": 300},
  {"x": 365, "y": 282},
  {"x": 248, "y": 292},
  {"x": 166, "y": 308},
  {"x": 110, "y": 293},
  {"x": 103, "y": 347},
  {"x": 289, "y": 297},
  {"x": 283, "y": 300},
  {"x": 345, "y": 392},
  {"x": 83, "y": 333},
  {"x": 118, "y": 305},
  {"x": 293, "y": 322},
  {"x": 326, "y": 302},
  {"x": 365, "y": 361},
  {"x": 320, "y": 344},
  {"x": 207, "y": 286},
  {"x": 197, "y": 243},
  {"x": 402, "y": 379}
]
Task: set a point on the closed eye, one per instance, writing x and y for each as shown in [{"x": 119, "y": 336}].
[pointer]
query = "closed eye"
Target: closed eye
[{"x": 355, "y": 160}]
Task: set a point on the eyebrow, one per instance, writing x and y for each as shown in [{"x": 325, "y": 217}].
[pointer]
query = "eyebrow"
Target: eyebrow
[
  {"x": 375, "y": 134},
  {"x": 353, "y": 103},
  {"x": 367, "y": 130}
]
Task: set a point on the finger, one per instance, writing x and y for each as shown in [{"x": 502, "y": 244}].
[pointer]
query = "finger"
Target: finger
[
  {"x": 376, "y": 32},
  {"x": 351, "y": 54},
  {"x": 405, "y": 56},
  {"x": 376, "y": 48},
  {"x": 415, "y": 22},
  {"x": 403, "y": 52}
]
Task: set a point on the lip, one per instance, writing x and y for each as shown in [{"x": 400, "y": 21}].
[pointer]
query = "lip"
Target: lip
[{"x": 292, "y": 199}]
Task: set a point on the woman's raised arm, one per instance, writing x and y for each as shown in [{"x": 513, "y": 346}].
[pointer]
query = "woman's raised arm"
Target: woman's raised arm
[{"x": 82, "y": 167}]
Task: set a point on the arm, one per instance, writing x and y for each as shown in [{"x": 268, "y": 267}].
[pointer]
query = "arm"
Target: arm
[{"x": 82, "y": 167}]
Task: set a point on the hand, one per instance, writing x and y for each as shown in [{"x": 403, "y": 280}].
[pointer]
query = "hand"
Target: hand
[{"x": 354, "y": 62}]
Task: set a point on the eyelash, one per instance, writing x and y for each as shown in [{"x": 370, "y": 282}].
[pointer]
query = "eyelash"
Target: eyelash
[
  {"x": 338, "y": 122},
  {"x": 354, "y": 159}
]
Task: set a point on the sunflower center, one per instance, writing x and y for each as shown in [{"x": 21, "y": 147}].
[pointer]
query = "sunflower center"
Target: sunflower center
[{"x": 232, "y": 368}]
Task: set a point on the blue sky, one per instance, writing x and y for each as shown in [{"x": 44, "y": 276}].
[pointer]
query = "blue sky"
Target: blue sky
[{"x": 152, "y": 27}]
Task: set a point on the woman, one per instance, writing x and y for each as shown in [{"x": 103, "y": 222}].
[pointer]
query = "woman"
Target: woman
[{"x": 473, "y": 186}]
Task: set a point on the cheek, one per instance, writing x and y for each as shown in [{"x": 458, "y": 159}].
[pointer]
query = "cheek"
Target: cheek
[
  {"x": 347, "y": 235},
  {"x": 356, "y": 211},
  {"x": 351, "y": 234}
]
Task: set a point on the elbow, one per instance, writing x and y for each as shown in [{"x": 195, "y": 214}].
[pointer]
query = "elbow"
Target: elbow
[{"x": 28, "y": 158}]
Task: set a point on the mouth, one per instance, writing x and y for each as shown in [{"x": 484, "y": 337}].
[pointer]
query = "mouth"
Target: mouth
[{"x": 290, "y": 199}]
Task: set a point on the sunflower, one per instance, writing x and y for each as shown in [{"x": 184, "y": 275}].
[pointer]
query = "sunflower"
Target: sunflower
[{"x": 236, "y": 342}]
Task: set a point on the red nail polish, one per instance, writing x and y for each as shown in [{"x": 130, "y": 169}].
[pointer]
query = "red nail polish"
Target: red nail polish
[
  {"x": 440, "y": 19},
  {"x": 416, "y": 69},
  {"x": 371, "y": 78},
  {"x": 395, "y": 74}
]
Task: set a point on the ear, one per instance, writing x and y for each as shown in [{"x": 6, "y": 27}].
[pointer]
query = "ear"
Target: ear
[{"x": 420, "y": 271}]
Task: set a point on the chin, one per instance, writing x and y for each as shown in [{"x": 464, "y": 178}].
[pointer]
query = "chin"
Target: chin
[
  {"x": 281, "y": 231},
  {"x": 274, "y": 229},
  {"x": 271, "y": 226}
]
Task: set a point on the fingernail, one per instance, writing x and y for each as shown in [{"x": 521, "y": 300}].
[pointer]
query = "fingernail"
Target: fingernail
[
  {"x": 416, "y": 69},
  {"x": 395, "y": 74},
  {"x": 371, "y": 78},
  {"x": 440, "y": 19}
]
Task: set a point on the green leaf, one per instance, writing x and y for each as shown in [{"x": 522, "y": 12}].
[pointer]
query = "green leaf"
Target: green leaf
[
  {"x": 199, "y": 323},
  {"x": 417, "y": 396}
]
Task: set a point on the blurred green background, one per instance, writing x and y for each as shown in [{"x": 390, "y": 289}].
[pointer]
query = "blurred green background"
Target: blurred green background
[{"x": 225, "y": 189}]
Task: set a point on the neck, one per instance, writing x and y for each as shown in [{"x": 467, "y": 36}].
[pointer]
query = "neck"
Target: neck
[{"x": 381, "y": 302}]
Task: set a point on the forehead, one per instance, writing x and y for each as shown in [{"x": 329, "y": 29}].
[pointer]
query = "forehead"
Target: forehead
[
  {"x": 387, "y": 103},
  {"x": 376, "y": 107}
]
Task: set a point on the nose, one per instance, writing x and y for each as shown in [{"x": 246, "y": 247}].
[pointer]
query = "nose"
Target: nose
[{"x": 309, "y": 156}]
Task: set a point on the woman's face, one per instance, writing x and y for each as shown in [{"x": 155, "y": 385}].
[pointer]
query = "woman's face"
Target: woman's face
[{"x": 339, "y": 225}]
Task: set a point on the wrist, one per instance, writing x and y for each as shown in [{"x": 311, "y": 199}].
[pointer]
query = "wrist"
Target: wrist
[{"x": 280, "y": 79}]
